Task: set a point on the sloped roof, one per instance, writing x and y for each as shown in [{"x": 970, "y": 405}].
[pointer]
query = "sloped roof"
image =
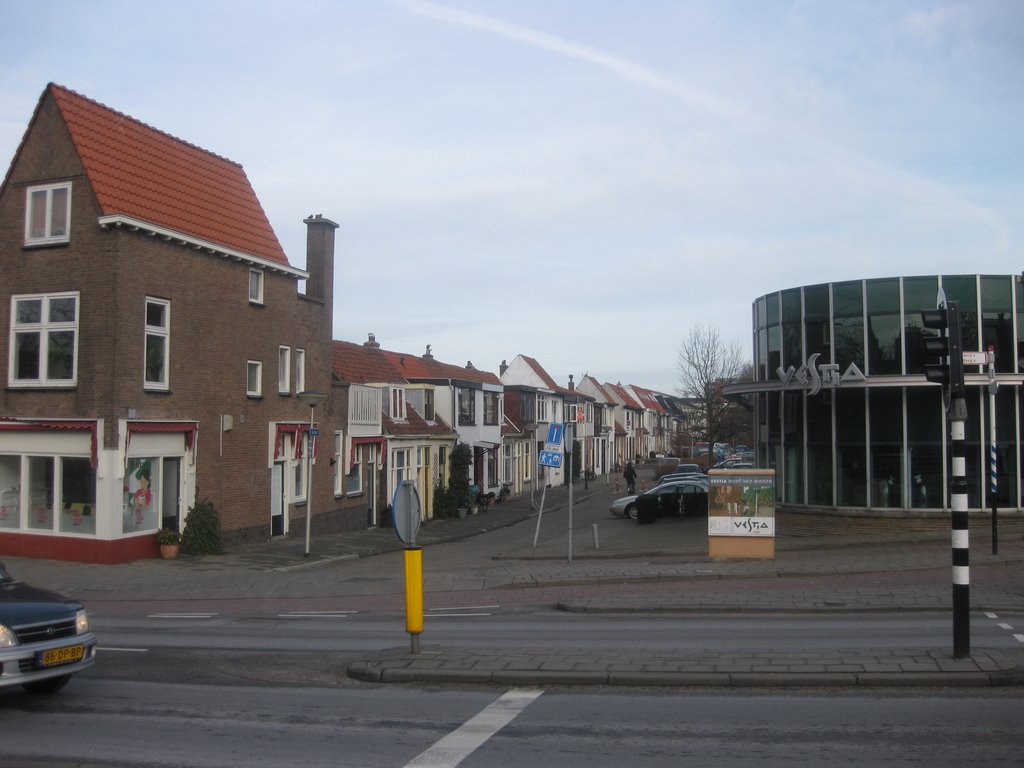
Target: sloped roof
[
  {"x": 416, "y": 426},
  {"x": 649, "y": 398},
  {"x": 416, "y": 367},
  {"x": 622, "y": 395},
  {"x": 140, "y": 172},
  {"x": 549, "y": 382},
  {"x": 360, "y": 364}
]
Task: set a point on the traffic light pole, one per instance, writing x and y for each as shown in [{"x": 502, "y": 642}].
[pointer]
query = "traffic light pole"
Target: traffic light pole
[
  {"x": 948, "y": 370},
  {"x": 960, "y": 532}
]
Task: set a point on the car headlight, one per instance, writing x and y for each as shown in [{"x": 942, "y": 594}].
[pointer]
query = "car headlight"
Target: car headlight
[
  {"x": 7, "y": 637},
  {"x": 81, "y": 622}
]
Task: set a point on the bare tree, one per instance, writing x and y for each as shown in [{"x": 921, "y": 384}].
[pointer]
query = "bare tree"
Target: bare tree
[{"x": 706, "y": 365}]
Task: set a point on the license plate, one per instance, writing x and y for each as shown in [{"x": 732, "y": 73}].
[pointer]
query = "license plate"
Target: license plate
[{"x": 67, "y": 655}]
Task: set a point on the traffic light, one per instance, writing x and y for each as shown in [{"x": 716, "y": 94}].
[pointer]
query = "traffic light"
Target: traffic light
[{"x": 945, "y": 349}]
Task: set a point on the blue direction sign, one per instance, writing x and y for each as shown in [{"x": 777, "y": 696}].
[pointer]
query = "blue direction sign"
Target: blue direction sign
[
  {"x": 550, "y": 458},
  {"x": 555, "y": 433}
]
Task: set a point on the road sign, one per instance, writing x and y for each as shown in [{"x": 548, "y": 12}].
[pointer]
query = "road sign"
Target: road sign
[
  {"x": 550, "y": 458},
  {"x": 555, "y": 433},
  {"x": 975, "y": 358},
  {"x": 405, "y": 511}
]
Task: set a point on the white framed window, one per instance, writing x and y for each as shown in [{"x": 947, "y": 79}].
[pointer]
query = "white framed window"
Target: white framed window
[
  {"x": 284, "y": 370},
  {"x": 398, "y": 403},
  {"x": 254, "y": 378},
  {"x": 256, "y": 286},
  {"x": 339, "y": 463},
  {"x": 44, "y": 340},
  {"x": 48, "y": 214},
  {"x": 158, "y": 344},
  {"x": 354, "y": 478},
  {"x": 399, "y": 466},
  {"x": 542, "y": 408},
  {"x": 299, "y": 477},
  {"x": 300, "y": 370}
]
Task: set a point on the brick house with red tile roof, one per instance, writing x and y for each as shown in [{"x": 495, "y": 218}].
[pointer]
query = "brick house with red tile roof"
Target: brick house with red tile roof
[
  {"x": 409, "y": 440},
  {"x": 156, "y": 341},
  {"x": 555, "y": 404},
  {"x": 628, "y": 424},
  {"x": 656, "y": 432},
  {"x": 470, "y": 400}
]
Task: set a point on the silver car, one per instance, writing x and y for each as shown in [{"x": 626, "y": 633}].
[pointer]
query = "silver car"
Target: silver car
[{"x": 44, "y": 637}]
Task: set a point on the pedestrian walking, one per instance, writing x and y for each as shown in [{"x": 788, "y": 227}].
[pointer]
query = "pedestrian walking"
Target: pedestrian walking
[{"x": 630, "y": 476}]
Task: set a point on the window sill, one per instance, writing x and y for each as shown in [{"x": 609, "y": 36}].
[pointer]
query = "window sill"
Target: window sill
[{"x": 47, "y": 243}]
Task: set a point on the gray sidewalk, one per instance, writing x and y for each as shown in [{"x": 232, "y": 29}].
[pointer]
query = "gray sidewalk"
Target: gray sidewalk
[{"x": 821, "y": 565}]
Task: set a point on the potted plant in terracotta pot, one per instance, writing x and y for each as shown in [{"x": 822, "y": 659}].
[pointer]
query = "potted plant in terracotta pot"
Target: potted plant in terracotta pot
[{"x": 169, "y": 541}]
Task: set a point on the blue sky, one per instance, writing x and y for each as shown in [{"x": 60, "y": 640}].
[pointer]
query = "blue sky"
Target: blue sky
[{"x": 580, "y": 181}]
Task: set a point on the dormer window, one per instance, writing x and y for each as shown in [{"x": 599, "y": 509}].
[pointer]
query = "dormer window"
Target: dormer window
[
  {"x": 428, "y": 404},
  {"x": 48, "y": 214},
  {"x": 398, "y": 403}
]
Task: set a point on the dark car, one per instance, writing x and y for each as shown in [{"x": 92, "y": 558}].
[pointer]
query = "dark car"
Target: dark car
[
  {"x": 688, "y": 498},
  {"x": 44, "y": 637}
]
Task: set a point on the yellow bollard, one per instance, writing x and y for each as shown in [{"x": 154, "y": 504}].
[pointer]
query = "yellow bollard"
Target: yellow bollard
[{"x": 414, "y": 594}]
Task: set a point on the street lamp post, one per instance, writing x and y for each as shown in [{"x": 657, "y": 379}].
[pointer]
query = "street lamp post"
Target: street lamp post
[{"x": 312, "y": 399}]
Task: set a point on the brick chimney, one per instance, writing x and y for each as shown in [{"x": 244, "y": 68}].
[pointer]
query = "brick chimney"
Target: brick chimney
[
  {"x": 371, "y": 342},
  {"x": 320, "y": 260}
]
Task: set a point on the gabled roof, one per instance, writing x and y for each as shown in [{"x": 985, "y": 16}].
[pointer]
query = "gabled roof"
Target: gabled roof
[
  {"x": 360, "y": 364},
  {"x": 592, "y": 382},
  {"x": 619, "y": 393},
  {"x": 649, "y": 399},
  {"x": 549, "y": 382},
  {"x": 141, "y": 174},
  {"x": 420, "y": 368}
]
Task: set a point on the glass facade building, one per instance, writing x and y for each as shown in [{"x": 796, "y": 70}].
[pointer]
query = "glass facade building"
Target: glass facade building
[{"x": 844, "y": 413}]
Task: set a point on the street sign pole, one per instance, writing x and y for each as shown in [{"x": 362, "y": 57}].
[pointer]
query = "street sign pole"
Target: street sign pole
[
  {"x": 568, "y": 451},
  {"x": 993, "y": 453},
  {"x": 406, "y": 516}
]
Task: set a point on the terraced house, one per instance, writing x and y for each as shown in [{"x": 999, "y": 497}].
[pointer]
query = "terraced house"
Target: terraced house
[{"x": 155, "y": 340}]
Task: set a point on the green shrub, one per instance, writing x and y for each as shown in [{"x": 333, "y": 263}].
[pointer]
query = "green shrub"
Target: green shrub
[{"x": 202, "y": 530}]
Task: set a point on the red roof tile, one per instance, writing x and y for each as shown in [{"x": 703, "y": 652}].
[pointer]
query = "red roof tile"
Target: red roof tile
[
  {"x": 551, "y": 383},
  {"x": 359, "y": 364},
  {"x": 141, "y": 172},
  {"x": 416, "y": 367},
  {"x": 621, "y": 394}
]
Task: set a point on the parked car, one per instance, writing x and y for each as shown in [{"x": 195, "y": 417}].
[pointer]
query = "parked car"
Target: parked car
[
  {"x": 44, "y": 637},
  {"x": 691, "y": 497},
  {"x": 692, "y": 476}
]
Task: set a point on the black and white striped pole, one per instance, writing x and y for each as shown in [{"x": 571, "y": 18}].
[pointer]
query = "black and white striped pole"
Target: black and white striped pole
[{"x": 949, "y": 372}]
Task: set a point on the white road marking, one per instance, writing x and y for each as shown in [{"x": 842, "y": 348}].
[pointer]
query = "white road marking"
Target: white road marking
[
  {"x": 454, "y": 615},
  {"x": 468, "y": 737},
  {"x": 466, "y": 608},
  {"x": 1004, "y": 626},
  {"x": 991, "y": 615},
  {"x": 1019, "y": 638},
  {"x": 105, "y": 648},
  {"x": 181, "y": 615},
  {"x": 316, "y": 614}
]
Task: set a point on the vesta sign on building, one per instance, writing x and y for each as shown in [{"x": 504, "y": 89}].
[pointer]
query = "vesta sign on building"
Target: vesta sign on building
[{"x": 815, "y": 378}]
